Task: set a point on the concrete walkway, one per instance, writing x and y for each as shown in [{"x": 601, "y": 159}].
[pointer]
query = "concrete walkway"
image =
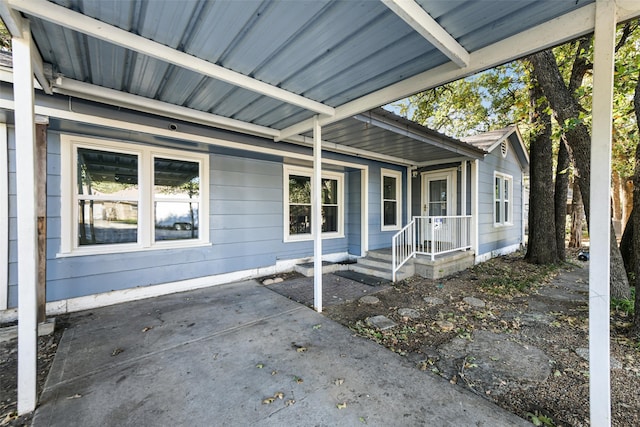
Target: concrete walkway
[{"x": 239, "y": 355}]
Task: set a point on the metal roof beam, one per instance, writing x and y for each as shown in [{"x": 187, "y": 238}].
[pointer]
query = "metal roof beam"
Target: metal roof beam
[
  {"x": 557, "y": 31},
  {"x": 70, "y": 87},
  {"x": 68, "y": 18},
  {"x": 414, "y": 15},
  {"x": 14, "y": 23}
]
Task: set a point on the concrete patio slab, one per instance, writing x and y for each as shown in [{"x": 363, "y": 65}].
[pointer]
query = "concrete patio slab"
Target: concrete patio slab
[{"x": 214, "y": 356}]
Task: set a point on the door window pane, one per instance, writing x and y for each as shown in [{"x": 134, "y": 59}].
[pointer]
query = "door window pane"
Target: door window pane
[{"x": 438, "y": 197}]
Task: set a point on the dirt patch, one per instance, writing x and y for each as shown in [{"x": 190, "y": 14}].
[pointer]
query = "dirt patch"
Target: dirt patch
[
  {"x": 539, "y": 313},
  {"x": 47, "y": 346}
]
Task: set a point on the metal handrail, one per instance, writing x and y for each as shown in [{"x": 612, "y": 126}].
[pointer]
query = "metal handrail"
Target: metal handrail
[{"x": 430, "y": 235}]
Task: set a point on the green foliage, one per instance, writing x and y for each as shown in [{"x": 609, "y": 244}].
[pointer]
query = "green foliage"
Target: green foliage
[
  {"x": 626, "y": 306},
  {"x": 5, "y": 37},
  {"x": 500, "y": 279}
]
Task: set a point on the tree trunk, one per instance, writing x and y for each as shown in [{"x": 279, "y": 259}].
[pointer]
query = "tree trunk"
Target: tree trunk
[
  {"x": 541, "y": 248},
  {"x": 560, "y": 198},
  {"x": 616, "y": 203},
  {"x": 636, "y": 215},
  {"x": 627, "y": 201},
  {"x": 626, "y": 246},
  {"x": 566, "y": 110},
  {"x": 577, "y": 214}
]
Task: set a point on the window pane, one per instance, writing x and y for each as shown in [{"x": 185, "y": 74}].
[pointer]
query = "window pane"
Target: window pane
[
  {"x": 506, "y": 189},
  {"x": 389, "y": 188},
  {"x": 390, "y": 213},
  {"x": 107, "y": 173},
  {"x": 506, "y": 212},
  {"x": 329, "y": 191},
  {"x": 107, "y": 222},
  {"x": 176, "y": 220},
  {"x": 299, "y": 219},
  {"x": 498, "y": 216},
  {"x": 299, "y": 189},
  {"x": 176, "y": 179},
  {"x": 329, "y": 219},
  {"x": 497, "y": 188}
]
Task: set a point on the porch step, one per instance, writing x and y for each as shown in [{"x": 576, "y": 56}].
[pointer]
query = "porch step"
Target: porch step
[
  {"x": 306, "y": 269},
  {"x": 378, "y": 263}
]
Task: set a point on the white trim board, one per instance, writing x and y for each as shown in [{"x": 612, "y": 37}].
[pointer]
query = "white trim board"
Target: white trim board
[
  {"x": 89, "y": 302},
  {"x": 4, "y": 217}
]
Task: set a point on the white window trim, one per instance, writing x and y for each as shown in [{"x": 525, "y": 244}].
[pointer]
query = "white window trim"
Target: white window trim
[
  {"x": 508, "y": 178},
  {"x": 296, "y": 170},
  {"x": 398, "y": 177},
  {"x": 69, "y": 245}
]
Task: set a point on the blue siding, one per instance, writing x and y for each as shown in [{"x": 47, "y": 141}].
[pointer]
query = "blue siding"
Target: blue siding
[
  {"x": 245, "y": 213},
  {"x": 490, "y": 237}
]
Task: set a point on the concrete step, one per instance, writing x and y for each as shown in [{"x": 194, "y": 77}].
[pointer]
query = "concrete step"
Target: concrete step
[
  {"x": 306, "y": 269},
  {"x": 385, "y": 254},
  {"x": 370, "y": 261},
  {"x": 384, "y": 273}
]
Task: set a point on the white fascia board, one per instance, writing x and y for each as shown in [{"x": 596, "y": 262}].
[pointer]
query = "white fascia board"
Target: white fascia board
[
  {"x": 557, "y": 31},
  {"x": 91, "y": 92},
  {"x": 444, "y": 161},
  {"x": 418, "y": 19},
  {"x": 68, "y": 18}
]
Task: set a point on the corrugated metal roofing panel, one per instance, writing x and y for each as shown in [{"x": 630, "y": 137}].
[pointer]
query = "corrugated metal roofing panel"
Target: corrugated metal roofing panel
[{"x": 329, "y": 51}]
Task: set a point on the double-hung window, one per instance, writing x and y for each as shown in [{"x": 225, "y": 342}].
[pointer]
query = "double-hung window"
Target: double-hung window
[
  {"x": 391, "y": 200},
  {"x": 502, "y": 195},
  {"x": 298, "y": 189},
  {"x": 121, "y": 197}
]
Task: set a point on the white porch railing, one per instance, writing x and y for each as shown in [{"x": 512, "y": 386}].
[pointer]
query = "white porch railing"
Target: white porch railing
[{"x": 431, "y": 236}]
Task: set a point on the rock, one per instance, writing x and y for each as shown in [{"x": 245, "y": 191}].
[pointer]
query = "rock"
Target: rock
[
  {"x": 409, "y": 312},
  {"x": 278, "y": 280},
  {"x": 498, "y": 363},
  {"x": 584, "y": 353},
  {"x": 369, "y": 299},
  {"x": 380, "y": 322},
  {"x": 474, "y": 302},
  {"x": 268, "y": 282},
  {"x": 433, "y": 300},
  {"x": 445, "y": 325}
]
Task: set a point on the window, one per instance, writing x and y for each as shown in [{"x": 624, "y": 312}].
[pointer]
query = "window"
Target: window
[
  {"x": 125, "y": 197},
  {"x": 298, "y": 212},
  {"x": 391, "y": 199},
  {"x": 502, "y": 199}
]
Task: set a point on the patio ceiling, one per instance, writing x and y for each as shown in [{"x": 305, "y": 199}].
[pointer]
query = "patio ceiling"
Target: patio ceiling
[{"x": 269, "y": 67}]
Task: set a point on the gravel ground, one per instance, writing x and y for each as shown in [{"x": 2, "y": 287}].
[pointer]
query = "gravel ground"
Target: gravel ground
[{"x": 531, "y": 308}]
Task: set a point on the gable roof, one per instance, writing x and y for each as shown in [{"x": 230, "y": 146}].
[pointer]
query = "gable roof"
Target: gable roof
[{"x": 489, "y": 141}]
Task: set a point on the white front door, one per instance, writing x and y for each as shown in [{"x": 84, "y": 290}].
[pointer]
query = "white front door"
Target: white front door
[{"x": 438, "y": 193}]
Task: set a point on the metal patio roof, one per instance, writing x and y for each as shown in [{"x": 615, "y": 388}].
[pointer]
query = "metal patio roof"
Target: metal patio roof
[{"x": 268, "y": 67}]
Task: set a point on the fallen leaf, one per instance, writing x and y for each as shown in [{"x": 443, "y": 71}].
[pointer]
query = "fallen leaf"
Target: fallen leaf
[
  {"x": 298, "y": 380},
  {"x": 279, "y": 395},
  {"x": 147, "y": 328},
  {"x": 317, "y": 326},
  {"x": 274, "y": 372},
  {"x": 289, "y": 402},
  {"x": 260, "y": 366},
  {"x": 338, "y": 381},
  {"x": 342, "y": 405},
  {"x": 268, "y": 400},
  {"x": 75, "y": 396},
  {"x": 116, "y": 351}
]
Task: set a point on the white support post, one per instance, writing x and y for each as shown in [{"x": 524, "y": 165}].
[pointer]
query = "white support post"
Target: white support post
[
  {"x": 409, "y": 196},
  {"x": 4, "y": 218},
  {"x": 27, "y": 220},
  {"x": 316, "y": 215},
  {"x": 600, "y": 214},
  {"x": 475, "y": 176},
  {"x": 463, "y": 188}
]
